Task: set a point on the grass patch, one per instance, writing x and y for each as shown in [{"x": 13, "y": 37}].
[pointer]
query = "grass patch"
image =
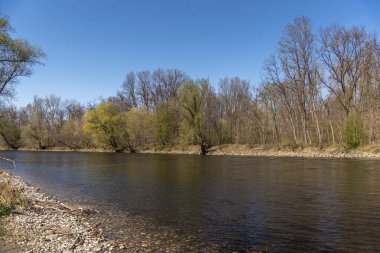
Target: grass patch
[
  {"x": 2, "y": 229},
  {"x": 10, "y": 198}
]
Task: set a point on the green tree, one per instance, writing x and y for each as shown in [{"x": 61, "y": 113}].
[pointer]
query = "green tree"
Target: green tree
[
  {"x": 193, "y": 102},
  {"x": 140, "y": 127},
  {"x": 355, "y": 134},
  {"x": 107, "y": 126},
  {"x": 9, "y": 127},
  {"x": 17, "y": 58},
  {"x": 73, "y": 136},
  {"x": 34, "y": 131},
  {"x": 167, "y": 123}
]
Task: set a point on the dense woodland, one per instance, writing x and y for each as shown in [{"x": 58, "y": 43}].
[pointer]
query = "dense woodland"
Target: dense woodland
[{"x": 318, "y": 89}]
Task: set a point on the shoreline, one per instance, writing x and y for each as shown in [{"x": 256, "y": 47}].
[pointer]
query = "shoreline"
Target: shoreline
[
  {"x": 366, "y": 152},
  {"x": 45, "y": 224},
  {"x": 307, "y": 152}
]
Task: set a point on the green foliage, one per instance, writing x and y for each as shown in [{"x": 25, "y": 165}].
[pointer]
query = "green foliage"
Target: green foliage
[
  {"x": 187, "y": 134},
  {"x": 73, "y": 135},
  {"x": 34, "y": 132},
  {"x": 289, "y": 109},
  {"x": 167, "y": 123},
  {"x": 193, "y": 108},
  {"x": 140, "y": 127},
  {"x": 119, "y": 130},
  {"x": 354, "y": 131},
  {"x": 10, "y": 132},
  {"x": 4, "y": 210},
  {"x": 17, "y": 58},
  {"x": 9, "y": 198},
  {"x": 107, "y": 126},
  {"x": 193, "y": 102}
]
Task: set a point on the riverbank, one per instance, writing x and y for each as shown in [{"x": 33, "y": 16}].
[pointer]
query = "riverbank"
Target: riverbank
[
  {"x": 40, "y": 223},
  {"x": 366, "y": 152},
  {"x": 335, "y": 151}
]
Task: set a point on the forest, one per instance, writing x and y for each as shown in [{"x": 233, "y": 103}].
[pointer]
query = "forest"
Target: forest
[{"x": 320, "y": 88}]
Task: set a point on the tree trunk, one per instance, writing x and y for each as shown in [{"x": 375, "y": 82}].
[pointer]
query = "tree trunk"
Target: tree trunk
[{"x": 204, "y": 148}]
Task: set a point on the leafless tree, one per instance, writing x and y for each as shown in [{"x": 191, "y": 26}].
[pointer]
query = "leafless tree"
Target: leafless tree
[
  {"x": 343, "y": 55},
  {"x": 144, "y": 88},
  {"x": 128, "y": 90}
]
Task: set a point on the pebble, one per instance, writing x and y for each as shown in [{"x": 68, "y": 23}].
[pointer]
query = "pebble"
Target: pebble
[{"x": 49, "y": 226}]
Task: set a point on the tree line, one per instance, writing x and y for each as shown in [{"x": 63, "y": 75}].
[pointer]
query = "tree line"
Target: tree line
[{"x": 318, "y": 89}]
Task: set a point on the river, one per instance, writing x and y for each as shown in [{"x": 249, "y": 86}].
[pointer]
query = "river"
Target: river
[{"x": 232, "y": 203}]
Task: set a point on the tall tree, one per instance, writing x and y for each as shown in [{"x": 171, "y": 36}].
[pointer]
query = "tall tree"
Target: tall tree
[
  {"x": 108, "y": 127},
  {"x": 128, "y": 90},
  {"x": 299, "y": 66},
  {"x": 235, "y": 95},
  {"x": 10, "y": 127},
  {"x": 17, "y": 59},
  {"x": 193, "y": 101},
  {"x": 343, "y": 54}
]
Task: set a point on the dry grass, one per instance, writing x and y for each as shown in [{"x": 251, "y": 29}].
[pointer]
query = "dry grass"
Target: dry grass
[
  {"x": 10, "y": 198},
  {"x": 370, "y": 148}
]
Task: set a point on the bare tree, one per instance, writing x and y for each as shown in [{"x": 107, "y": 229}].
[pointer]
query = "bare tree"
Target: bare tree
[
  {"x": 166, "y": 84},
  {"x": 343, "y": 55},
  {"x": 282, "y": 94},
  {"x": 236, "y": 99},
  {"x": 144, "y": 88},
  {"x": 74, "y": 109},
  {"x": 128, "y": 90}
]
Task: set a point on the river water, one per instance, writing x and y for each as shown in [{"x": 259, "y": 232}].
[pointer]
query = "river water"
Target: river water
[{"x": 233, "y": 203}]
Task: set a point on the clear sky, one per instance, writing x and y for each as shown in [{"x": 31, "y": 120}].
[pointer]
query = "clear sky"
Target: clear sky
[{"x": 92, "y": 44}]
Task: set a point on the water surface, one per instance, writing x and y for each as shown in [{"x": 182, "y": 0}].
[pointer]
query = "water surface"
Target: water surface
[{"x": 238, "y": 203}]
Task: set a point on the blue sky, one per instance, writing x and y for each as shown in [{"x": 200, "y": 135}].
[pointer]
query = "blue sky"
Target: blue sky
[{"x": 92, "y": 44}]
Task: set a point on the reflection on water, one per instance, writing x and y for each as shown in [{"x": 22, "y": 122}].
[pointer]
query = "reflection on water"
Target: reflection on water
[{"x": 238, "y": 202}]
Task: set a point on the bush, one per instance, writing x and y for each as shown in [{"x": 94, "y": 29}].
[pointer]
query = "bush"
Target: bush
[
  {"x": 4, "y": 210},
  {"x": 354, "y": 131},
  {"x": 9, "y": 198}
]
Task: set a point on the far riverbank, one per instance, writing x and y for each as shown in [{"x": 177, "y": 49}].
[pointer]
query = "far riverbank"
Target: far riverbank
[
  {"x": 365, "y": 152},
  {"x": 368, "y": 152}
]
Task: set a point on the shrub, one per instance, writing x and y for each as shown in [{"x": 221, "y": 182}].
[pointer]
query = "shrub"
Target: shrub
[
  {"x": 4, "y": 210},
  {"x": 9, "y": 198},
  {"x": 354, "y": 131}
]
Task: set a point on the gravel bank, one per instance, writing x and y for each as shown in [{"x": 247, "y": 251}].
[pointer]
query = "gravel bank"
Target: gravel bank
[
  {"x": 48, "y": 225},
  {"x": 258, "y": 151},
  {"x": 308, "y": 152},
  {"x": 365, "y": 152}
]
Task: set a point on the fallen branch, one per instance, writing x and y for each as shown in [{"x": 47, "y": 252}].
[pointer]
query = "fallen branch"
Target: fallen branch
[{"x": 9, "y": 160}]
